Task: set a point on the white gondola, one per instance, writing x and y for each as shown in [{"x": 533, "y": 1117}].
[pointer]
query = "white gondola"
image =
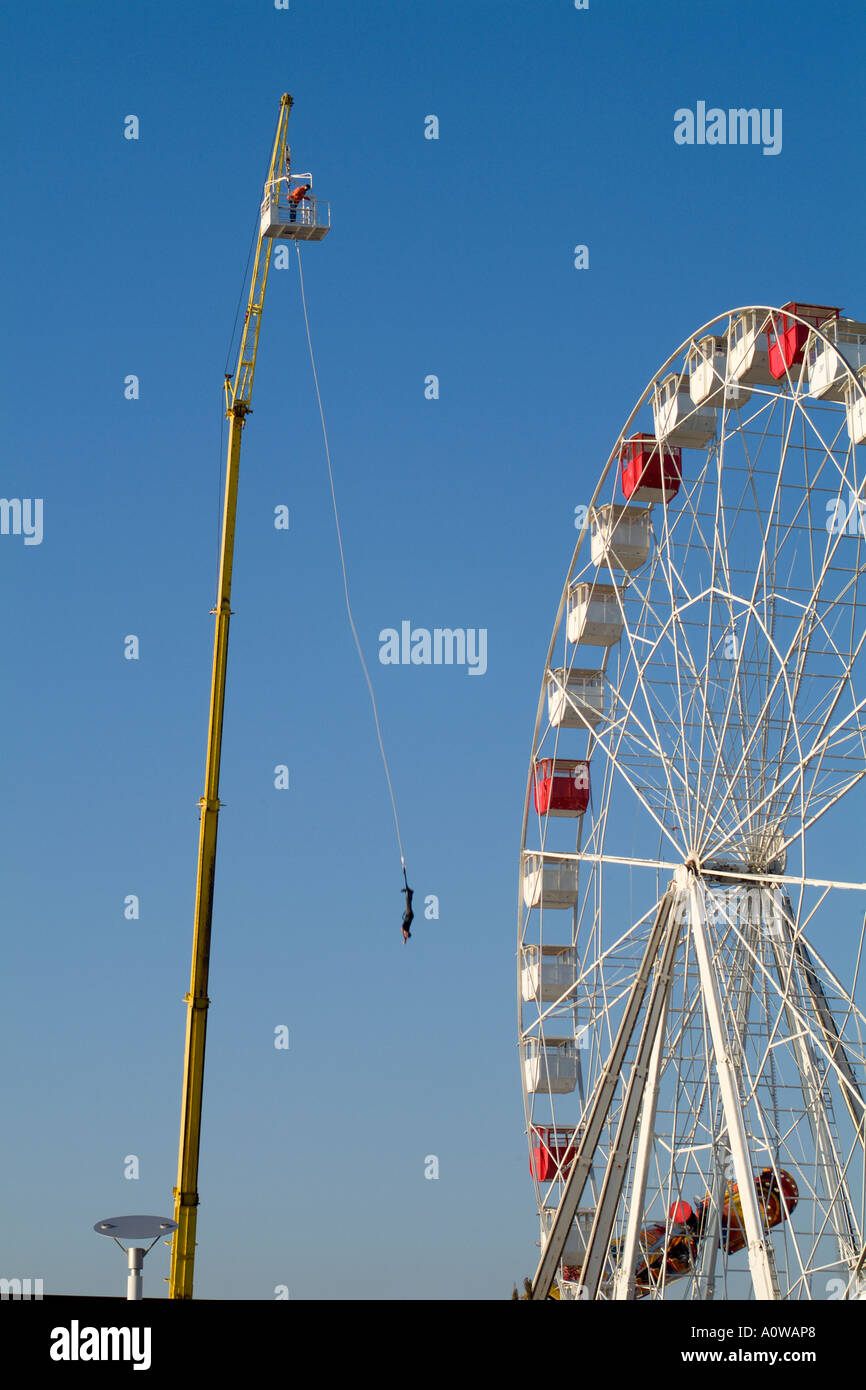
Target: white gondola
[
  {"x": 577, "y": 1239},
  {"x": 546, "y": 972},
  {"x": 827, "y": 375},
  {"x": 621, "y": 535},
  {"x": 855, "y": 409},
  {"x": 575, "y": 699},
  {"x": 707, "y": 365},
  {"x": 678, "y": 421},
  {"x": 571, "y": 1290},
  {"x": 308, "y": 220},
  {"x": 549, "y": 882},
  {"x": 594, "y": 615},
  {"x": 748, "y": 353},
  {"x": 551, "y": 1065}
]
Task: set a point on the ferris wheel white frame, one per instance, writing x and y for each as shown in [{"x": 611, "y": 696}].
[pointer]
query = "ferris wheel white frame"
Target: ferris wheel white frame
[{"x": 626, "y": 1080}]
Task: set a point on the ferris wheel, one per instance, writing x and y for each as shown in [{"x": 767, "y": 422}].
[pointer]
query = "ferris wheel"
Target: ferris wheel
[{"x": 693, "y": 1070}]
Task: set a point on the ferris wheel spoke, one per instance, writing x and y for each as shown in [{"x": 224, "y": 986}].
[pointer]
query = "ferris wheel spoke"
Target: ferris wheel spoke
[
  {"x": 831, "y": 795},
  {"x": 648, "y": 704},
  {"x": 703, "y": 686},
  {"x": 681, "y": 745},
  {"x": 761, "y": 578},
  {"x": 678, "y": 744},
  {"x": 822, "y": 1036},
  {"x": 846, "y": 663},
  {"x": 781, "y": 677},
  {"x": 842, "y": 731},
  {"x": 640, "y": 791},
  {"x": 709, "y": 720}
]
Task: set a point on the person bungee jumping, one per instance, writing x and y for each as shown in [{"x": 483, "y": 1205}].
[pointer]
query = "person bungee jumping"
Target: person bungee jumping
[{"x": 408, "y": 915}]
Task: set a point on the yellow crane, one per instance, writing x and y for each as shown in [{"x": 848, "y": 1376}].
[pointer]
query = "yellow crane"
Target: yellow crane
[{"x": 289, "y": 212}]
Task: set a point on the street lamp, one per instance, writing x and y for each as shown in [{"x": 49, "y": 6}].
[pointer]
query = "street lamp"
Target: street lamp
[{"x": 136, "y": 1229}]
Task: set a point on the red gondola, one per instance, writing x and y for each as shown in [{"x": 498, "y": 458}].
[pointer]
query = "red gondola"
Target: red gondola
[
  {"x": 649, "y": 472},
  {"x": 561, "y": 787},
  {"x": 553, "y": 1151},
  {"x": 786, "y": 339}
]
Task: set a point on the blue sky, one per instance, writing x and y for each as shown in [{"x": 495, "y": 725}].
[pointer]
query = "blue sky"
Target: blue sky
[{"x": 452, "y": 257}]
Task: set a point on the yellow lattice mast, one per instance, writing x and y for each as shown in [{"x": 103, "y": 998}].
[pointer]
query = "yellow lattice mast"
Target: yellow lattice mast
[{"x": 288, "y": 213}]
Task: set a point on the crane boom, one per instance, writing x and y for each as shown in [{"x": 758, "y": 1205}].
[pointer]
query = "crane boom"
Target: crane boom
[{"x": 238, "y": 392}]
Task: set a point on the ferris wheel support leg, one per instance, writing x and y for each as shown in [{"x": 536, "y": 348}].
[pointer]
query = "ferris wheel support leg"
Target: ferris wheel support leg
[
  {"x": 704, "y": 1286},
  {"x": 614, "y": 1177},
  {"x": 851, "y": 1091},
  {"x": 760, "y": 1253},
  {"x": 778, "y": 917},
  {"x": 599, "y": 1106},
  {"x": 624, "y": 1279}
]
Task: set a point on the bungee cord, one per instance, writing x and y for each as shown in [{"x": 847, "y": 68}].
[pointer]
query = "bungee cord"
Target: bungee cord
[{"x": 408, "y": 916}]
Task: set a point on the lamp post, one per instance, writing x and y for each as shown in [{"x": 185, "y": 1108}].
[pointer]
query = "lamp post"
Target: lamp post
[{"x": 136, "y": 1229}]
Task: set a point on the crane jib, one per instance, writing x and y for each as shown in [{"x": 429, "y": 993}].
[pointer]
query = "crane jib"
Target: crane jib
[{"x": 301, "y": 212}]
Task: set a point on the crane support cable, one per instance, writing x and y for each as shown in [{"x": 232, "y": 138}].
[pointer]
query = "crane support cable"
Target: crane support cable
[{"x": 343, "y": 564}]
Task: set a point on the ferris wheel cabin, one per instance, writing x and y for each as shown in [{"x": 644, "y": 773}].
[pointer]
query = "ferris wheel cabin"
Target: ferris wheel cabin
[
  {"x": 707, "y": 365},
  {"x": 621, "y": 536},
  {"x": 748, "y": 356},
  {"x": 576, "y": 1241},
  {"x": 547, "y": 972},
  {"x": 649, "y": 471},
  {"x": 561, "y": 786},
  {"x": 855, "y": 408},
  {"x": 786, "y": 338},
  {"x": 677, "y": 419},
  {"x": 827, "y": 375},
  {"x": 594, "y": 614},
  {"x": 549, "y": 881},
  {"x": 291, "y": 213},
  {"x": 550, "y": 1065},
  {"x": 575, "y": 699},
  {"x": 553, "y": 1150}
]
